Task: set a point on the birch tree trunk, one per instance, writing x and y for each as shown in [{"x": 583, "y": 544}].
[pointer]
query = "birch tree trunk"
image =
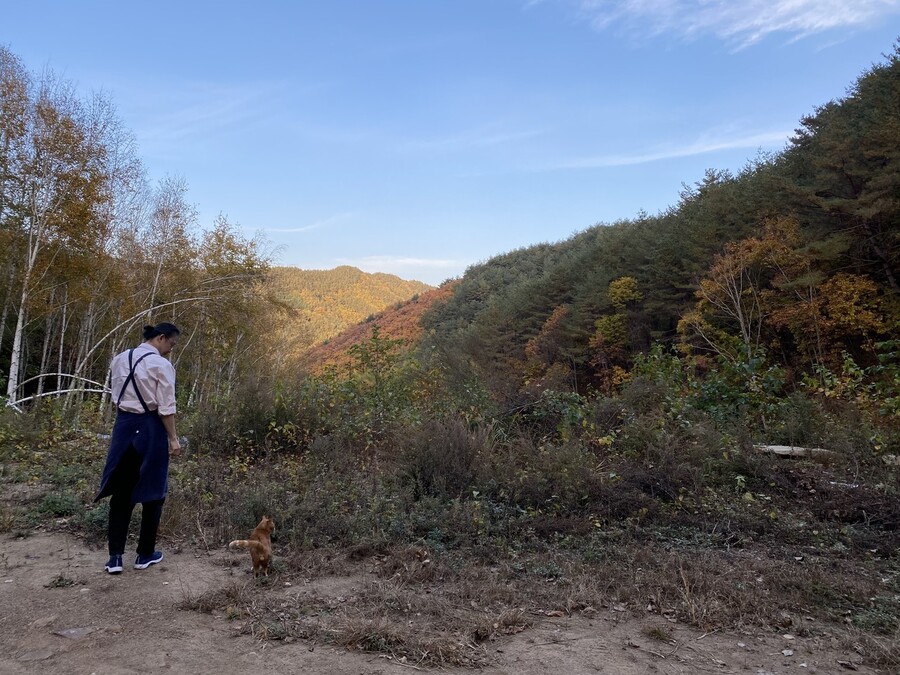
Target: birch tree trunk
[
  {"x": 12, "y": 383},
  {"x": 45, "y": 355}
]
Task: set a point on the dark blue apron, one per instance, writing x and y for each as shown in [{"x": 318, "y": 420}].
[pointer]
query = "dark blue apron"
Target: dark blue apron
[{"x": 145, "y": 434}]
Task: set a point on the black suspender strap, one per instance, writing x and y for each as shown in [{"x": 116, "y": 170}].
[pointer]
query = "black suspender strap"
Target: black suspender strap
[{"x": 131, "y": 378}]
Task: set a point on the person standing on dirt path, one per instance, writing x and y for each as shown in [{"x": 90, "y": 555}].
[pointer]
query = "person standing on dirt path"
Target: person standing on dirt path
[{"x": 137, "y": 465}]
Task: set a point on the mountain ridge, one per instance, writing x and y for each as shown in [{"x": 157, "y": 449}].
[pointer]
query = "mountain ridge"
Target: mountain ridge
[{"x": 319, "y": 304}]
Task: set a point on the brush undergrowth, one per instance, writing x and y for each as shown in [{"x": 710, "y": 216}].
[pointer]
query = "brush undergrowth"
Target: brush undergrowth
[{"x": 470, "y": 526}]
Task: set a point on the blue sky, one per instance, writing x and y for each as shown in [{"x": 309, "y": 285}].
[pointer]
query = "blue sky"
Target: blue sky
[{"x": 418, "y": 137}]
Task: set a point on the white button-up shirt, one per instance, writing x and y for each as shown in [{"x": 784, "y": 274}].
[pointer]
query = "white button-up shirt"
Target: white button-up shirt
[{"x": 155, "y": 376}]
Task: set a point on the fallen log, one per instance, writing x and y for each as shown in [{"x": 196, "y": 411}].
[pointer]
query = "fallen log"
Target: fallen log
[{"x": 795, "y": 451}]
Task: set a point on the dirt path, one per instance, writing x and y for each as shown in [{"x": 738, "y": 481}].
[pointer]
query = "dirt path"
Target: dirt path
[{"x": 60, "y": 613}]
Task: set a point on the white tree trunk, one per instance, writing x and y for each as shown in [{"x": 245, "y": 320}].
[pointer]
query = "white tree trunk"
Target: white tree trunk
[{"x": 12, "y": 384}]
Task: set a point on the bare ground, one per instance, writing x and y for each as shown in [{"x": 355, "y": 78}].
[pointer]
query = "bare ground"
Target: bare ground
[{"x": 61, "y": 613}]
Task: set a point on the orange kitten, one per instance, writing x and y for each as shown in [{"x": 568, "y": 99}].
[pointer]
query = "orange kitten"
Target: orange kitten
[{"x": 260, "y": 545}]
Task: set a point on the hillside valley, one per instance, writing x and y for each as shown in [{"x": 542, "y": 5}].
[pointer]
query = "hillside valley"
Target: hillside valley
[{"x": 320, "y": 304}]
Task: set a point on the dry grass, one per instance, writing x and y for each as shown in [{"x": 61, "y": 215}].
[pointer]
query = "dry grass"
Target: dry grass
[
  {"x": 440, "y": 609},
  {"x": 660, "y": 633},
  {"x": 884, "y": 651},
  {"x": 7, "y": 518},
  {"x": 406, "y": 607},
  {"x": 406, "y": 642},
  {"x": 508, "y": 622},
  {"x": 230, "y": 598}
]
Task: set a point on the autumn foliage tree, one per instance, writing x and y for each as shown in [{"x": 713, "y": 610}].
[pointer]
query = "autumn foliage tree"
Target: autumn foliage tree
[
  {"x": 777, "y": 292},
  {"x": 56, "y": 187},
  {"x": 612, "y": 343},
  {"x": 90, "y": 252},
  {"x": 544, "y": 352}
]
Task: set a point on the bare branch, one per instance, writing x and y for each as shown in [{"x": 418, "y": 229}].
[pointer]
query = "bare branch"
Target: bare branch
[{"x": 133, "y": 318}]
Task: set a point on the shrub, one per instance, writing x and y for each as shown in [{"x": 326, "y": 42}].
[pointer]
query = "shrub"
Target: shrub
[
  {"x": 438, "y": 458},
  {"x": 95, "y": 520},
  {"x": 59, "y": 504},
  {"x": 555, "y": 415}
]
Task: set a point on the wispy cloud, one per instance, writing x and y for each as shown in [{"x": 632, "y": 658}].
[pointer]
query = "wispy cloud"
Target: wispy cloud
[
  {"x": 738, "y": 22},
  {"x": 325, "y": 222},
  {"x": 703, "y": 145},
  {"x": 168, "y": 119},
  {"x": 467, "y": 140}
]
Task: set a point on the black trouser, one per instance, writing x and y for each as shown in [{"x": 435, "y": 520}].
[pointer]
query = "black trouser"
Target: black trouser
[{"x": 123, "y": 481}]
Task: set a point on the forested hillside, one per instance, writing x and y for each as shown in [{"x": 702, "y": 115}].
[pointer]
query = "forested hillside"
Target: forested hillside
[
  {"x": 401, "y": 323},
  {"x": 778, "y": 281},
  {"x": 325, "y": 302},
  {"x": 795, "y": 257},
  {"x": 793, "y": 260}
]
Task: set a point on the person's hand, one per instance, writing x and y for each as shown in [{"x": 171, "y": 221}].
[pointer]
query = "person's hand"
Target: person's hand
[{"x": 174, "y": 447}]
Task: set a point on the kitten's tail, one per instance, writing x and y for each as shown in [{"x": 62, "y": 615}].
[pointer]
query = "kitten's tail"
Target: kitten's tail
[{"x": 245, "y": 543}]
